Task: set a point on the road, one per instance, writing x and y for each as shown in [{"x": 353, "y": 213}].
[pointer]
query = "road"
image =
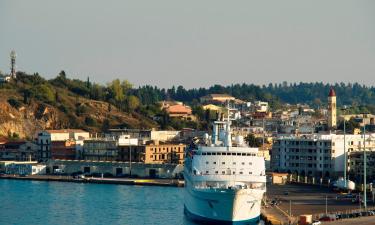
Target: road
[{"x": 308, "y": 199}]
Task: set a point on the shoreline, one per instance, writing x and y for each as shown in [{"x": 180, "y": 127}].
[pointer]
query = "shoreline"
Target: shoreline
[{"x": 98, "y": 180}]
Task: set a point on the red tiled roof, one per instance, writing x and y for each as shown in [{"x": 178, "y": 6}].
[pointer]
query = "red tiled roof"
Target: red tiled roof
[
  {"x": 331, "y": 93},
  {"x": 179, "y": 109}
]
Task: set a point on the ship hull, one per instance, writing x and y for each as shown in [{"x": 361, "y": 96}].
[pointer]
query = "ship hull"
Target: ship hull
[
  {"x": 205, "y": 220},
  {"x": 223, "y": 206}
]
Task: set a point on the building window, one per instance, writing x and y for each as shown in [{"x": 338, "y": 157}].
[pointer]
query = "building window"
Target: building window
[{"x": 241, "y": 172}]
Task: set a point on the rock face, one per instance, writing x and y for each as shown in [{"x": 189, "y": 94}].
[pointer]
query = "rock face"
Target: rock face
[{"x": 26, "y": 120}]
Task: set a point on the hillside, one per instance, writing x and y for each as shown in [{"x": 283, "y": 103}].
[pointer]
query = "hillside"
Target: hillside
[{"x": 28, "y": 105}]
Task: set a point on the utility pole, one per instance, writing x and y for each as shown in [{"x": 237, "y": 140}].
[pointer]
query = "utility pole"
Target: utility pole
[{"x": 345, "y": 157}]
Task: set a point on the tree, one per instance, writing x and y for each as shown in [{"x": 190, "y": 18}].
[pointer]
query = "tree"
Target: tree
[
  {"x": 117, "y": 91},
  {"x": 252, "y": 141},
  {"x": 132, "y": 103}
]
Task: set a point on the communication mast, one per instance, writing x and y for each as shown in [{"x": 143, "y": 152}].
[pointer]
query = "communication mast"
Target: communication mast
[{"x": 13, "y": 64}]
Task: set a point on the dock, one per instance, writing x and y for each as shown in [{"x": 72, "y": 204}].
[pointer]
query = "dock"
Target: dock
[{"x": 99, "y": 180}]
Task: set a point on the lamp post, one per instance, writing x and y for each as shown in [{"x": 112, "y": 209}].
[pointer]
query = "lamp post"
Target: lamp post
[
  {"x": 345, "y": 156},
  {"x": 364, "y": 162}
]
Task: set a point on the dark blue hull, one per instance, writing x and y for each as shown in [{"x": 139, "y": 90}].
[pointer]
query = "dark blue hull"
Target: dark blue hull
[{"x": 204, "y": 220}]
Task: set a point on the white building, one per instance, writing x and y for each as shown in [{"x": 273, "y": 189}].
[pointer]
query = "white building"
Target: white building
[
  {"x": 261, "y": 106},
  {"x": 45, "y": 138},
  {"x": 315, "y": 155}
]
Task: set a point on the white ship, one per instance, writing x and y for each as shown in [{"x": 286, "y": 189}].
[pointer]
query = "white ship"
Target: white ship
[{"x": 224, "y": 181}]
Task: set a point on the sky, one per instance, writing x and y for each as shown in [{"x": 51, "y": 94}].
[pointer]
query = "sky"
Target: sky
[{"x": 194, "y": 43}]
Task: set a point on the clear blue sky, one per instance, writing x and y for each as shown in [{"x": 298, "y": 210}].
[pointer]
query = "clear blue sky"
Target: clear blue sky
[{"x": 192, "y": 43}]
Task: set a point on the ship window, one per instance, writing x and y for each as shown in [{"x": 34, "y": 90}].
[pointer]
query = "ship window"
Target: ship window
[
  {"x": 208, "y": 153},
  {"x": 219, "y": 153},
  {"x": 234, "y": 172},
  {"x": 234, "y": 163},
  {"x": 243, "y": 153},
  {"x": 223, "y": 163},
  {"x": 241, "y": 172},
  {"x": 206, "y": 162},
  {"x": 248, "y": 154},
  {"x": 214, "y": 153},
  {"x": 238, "y": 153},
  {"x": 222, "y": 172},
  {"x": 243, "y": 163},
  {"x": 217, "y": 172},
  {"x": 203, "y": 153},
  {"x": 250, "y": 172},
  {"x": 224, "y": 153},
  {"x": 250, "y": 163},
  {"x": 206, "y": 172},
  {"x": 215, "y": 163}
]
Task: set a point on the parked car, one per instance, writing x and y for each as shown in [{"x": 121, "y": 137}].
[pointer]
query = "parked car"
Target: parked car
[
  {"x": 316, "y": 222},
  {"x": 326, "y": 218}
]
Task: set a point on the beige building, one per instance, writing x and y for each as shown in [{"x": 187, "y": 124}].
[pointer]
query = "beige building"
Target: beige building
[
  {"x": 332, "y": 120},
  {"x": 217, "y": 98},
  {"x": 157, "y": 153}
]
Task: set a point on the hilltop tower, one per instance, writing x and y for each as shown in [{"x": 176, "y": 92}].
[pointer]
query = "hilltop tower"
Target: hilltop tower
[
  {"x": 332, "y": 109},
  {"x": 12, "y": 64}
]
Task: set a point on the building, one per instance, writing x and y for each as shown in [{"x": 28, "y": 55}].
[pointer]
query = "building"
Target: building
[
  {"x": 22, "y": 168},
  {"x": 180, "y": 111},
  {"x": 68, "y": 134},
  {"x": 63, "y": 150},
  {"x": 129, "y": 150},
  {"x": 97, "y": 168},
  {"x": 4, "y": 79},
  {"x": 213, "y": 108},
  {"x": 18, "y": 151},
  {"x": 217, "y": 98},
  {"x": 332, "y": 110},
  {"x": 355, "y": 166},
  {"x": 260, "y": 106},
  {"x": 45, "y": 137},
  {"x": 315, "y": 155},
  {"x": 160, "y": 153},
  {"x": 100, "y": 150}
]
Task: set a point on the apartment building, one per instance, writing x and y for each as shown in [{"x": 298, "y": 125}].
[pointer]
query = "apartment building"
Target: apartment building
[
  {"x": 158, "y": 153},
  {"x": 315, "y": 155}
]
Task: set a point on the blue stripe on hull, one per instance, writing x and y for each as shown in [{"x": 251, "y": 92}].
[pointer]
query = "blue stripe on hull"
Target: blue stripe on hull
[{"x": 204, "y": 220}]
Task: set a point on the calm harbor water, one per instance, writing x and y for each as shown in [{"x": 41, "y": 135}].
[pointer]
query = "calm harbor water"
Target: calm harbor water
[{"x": 37, "y": 202}]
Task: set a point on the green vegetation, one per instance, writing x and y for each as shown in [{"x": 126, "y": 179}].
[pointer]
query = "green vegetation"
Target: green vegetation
[{"x": 76, "y": 99}]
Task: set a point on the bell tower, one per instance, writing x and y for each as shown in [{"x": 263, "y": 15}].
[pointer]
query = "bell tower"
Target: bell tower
[{"x": 332, "y": 109}]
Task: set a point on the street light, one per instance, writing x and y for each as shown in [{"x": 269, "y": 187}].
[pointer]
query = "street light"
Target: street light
[
  {"x": 364, "y": 161},
  {"x": 345, "y": 156}
]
